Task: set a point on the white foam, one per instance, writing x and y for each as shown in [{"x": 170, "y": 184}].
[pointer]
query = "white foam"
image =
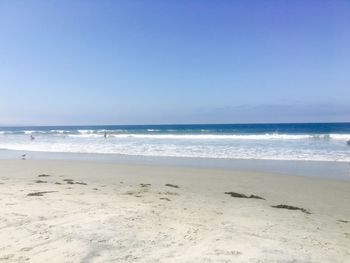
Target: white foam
[
  {"x": 85, "y": 135},
  {"x": 58, "y": 131},
  {"x": 223, "y": 136},
  {"x": 85, "y": 131},
  {"x": 340, "y": 136},
  {"x": 272, "y": 146},
  {"x": 199, "y": 151},
  {"x": 7, "y": 132}
]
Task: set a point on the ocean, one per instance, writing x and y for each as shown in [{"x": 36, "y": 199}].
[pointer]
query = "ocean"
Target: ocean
[{"x": 307, "y": 141}]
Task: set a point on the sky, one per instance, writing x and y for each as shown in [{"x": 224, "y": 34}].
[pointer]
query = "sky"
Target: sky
[{"x": 181, "y": 61}]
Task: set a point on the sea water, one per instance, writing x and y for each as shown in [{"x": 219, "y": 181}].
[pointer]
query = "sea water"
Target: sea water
[{"x": 307, "y": 141}]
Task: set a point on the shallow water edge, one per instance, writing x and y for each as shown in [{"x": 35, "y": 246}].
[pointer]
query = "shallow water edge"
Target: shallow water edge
[{"x": 319, "y": 169}]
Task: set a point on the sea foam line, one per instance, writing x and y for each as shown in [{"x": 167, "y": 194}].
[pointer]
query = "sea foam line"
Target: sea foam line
[
  {"x": 123, "y": 134},
  {"x": 200, "y": 152},
  {"x": 220, "y": 136}
]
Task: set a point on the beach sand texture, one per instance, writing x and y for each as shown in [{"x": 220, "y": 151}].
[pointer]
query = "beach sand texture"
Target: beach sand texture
[{"x": 75, "y": 211}]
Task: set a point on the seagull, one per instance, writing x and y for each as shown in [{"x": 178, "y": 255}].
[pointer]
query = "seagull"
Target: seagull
[{"x": 23, "y": 156}]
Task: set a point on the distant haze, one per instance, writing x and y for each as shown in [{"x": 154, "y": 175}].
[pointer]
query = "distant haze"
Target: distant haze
[{"x": 148, "y": 62}]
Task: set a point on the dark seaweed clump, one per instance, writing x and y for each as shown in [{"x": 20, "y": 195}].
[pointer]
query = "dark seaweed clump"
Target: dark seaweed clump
[
  {"x": 343, "y": 221},
  {"x": 43, "y": 175},
  {"x": 71, "y": 181},
  {"x": 82, "y": 183},
  {"x": 40, "y": 193},
  {"x": 40, "y": 182},
  {"x": 238, "y": 195},
  {"x": 172, "y": 185},
  {"x": 289, "y": 207}
]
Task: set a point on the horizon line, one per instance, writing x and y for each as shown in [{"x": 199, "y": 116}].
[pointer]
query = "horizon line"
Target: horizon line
[{"x": 169, "y": 124}]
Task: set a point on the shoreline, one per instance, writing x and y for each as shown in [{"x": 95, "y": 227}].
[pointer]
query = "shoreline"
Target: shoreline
[
  {"x": 319, "y": 169},
  {"x": 83, "y": 211}
]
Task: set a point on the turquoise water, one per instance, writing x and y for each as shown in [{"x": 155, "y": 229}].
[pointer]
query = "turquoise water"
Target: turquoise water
[{"x": 311, "y": 141}]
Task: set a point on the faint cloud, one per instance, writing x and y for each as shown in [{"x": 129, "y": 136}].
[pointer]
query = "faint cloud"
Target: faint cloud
[{"x": 323, "y": 112}]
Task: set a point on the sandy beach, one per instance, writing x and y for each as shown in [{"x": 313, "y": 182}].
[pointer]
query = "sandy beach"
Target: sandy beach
[
  {"x": 174, "y": 131},
  {"x": 75, "y": 211}
]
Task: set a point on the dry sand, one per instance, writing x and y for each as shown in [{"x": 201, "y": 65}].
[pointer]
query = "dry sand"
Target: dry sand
[{"x": 97, "y": 212}]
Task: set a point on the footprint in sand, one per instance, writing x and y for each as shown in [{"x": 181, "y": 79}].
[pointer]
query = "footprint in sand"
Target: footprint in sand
[
  {"x": 227, "y": 252},
  {"x": 82, "y": 183},
  {"x": 26, "y": 248},
  {"x": 168, "y": 193},
  {"x": 6, "y": 257}
]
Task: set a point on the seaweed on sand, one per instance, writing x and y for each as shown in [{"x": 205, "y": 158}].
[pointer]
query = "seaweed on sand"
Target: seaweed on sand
[
  {"x": 82, "y": 183},
  {"x": 40, "y": 182},
  {"x": 44, "y": 175},
  {"x": 238, "y": 195},
  {"x": 289, "y": 207},
  {"x": 172, "y": 185},
  {"x": 343, "y": 221},
  {"x": 40, "y": 193}
]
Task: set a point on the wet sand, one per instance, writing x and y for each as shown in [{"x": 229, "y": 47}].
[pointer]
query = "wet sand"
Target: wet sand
[{"x": 77, "y": 211}]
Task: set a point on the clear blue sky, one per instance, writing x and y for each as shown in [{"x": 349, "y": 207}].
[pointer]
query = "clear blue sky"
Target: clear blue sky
[{"x": 141, "y": 62}]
